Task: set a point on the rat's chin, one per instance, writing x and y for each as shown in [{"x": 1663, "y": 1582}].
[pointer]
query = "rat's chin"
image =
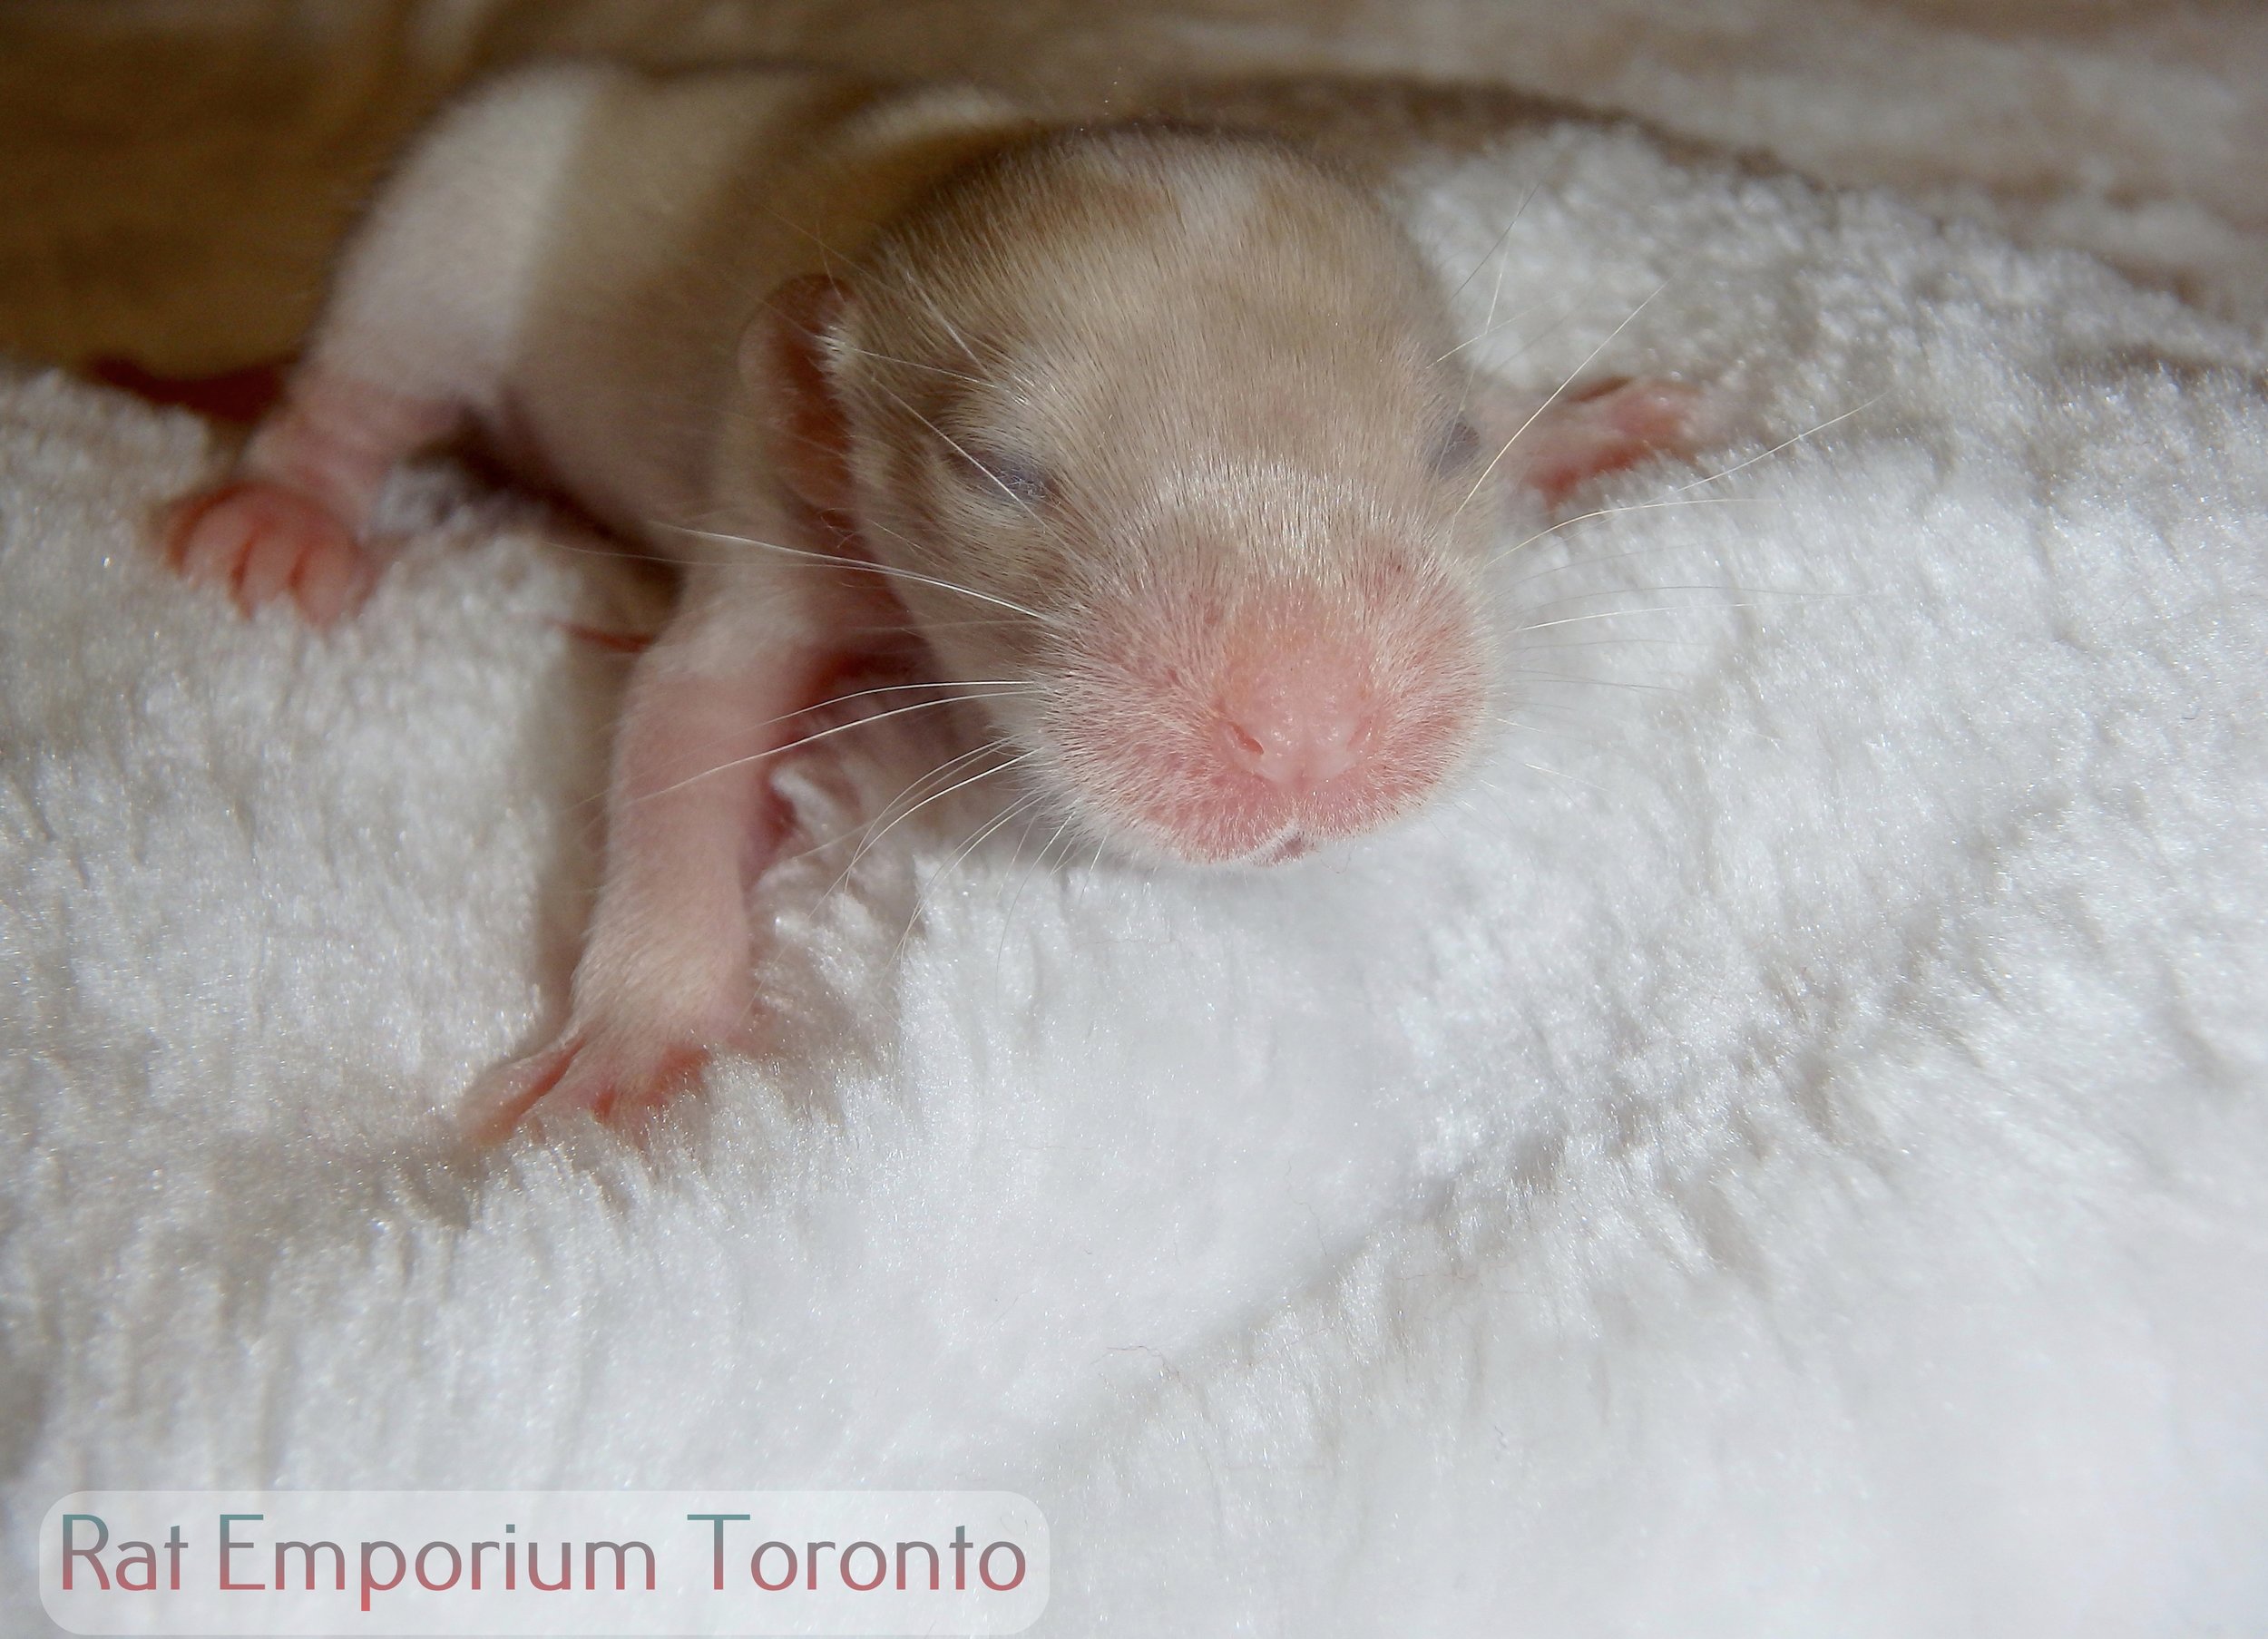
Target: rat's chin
[
  {"x": 1293, "y": 844},
  {"x": 1286, "y": 849},
  {"x": 1245, "y": 830},
  {"x": 1191, "y": 811}
]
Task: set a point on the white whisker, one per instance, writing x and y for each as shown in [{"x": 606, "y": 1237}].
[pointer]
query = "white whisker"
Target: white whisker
[
  {"x": 1636, "y": 506},
  {"x": 1494, "y": 325},
  {"x": 828, "y": 253},
  {"x": 1697, "y": 586},
  {"x": 1561, "y": 677},
  {"x": 910, "y": 364},
  {"x": 1608, "y": 643},
  {"x": 1557, "y": 733},
  {"x": 1618, "y": 614},
  {"x": 834, "y": 560},
  {"x": 795, "y": 744},
  {"x": 1547, "y": 403},
  {"x": 920, "y": 893},
  {"x": 1562, "y": 774},
  {"x": 1784, "y": 444},
  {"x": 1005, "y": 685},
  {"x": 1517, "y": 211},
  {"x": 1560, "y": 569},
  {"x": 1008, "y": 916},
  {"x": 929, "y": 302},
  {"x": 998, "y": 482},
  {"x": 915, "y": 784},
  {"x": 868, "y": 845}
]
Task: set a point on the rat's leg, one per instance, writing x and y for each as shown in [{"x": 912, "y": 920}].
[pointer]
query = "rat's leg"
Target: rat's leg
[
  {"x": 417, "y": 336},
  {"x": 1603, "y": 429},
  {"x": 665, "y": 977}
]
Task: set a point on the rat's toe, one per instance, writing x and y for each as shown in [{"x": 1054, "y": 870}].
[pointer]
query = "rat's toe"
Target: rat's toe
[
  {"x": 263, "y": 542},
  {"x": 614, "y": 1081}
]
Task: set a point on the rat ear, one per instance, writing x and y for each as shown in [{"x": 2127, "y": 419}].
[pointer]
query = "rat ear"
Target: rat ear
[
  {"x": 785, "y": 361},
  {"x": 1494, "y": 415}
]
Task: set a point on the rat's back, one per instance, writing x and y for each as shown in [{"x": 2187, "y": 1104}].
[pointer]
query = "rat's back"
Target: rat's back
[{"x": 571, "y": 253}]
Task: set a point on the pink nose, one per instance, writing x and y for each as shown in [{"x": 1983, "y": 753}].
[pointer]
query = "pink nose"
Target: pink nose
[{"x": 1298, "y": 723}]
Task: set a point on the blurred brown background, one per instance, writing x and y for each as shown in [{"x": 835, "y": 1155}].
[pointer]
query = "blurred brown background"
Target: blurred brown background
[{"x": 173, "y": 172}]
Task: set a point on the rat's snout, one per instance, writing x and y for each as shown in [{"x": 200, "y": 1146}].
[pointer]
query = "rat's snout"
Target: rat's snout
[
  {"x": 1254, "y": 735},
  {"x": 1297, "y": 719}
]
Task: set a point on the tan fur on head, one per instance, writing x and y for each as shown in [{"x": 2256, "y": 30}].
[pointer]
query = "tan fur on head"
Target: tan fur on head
[{"x": 1146, "y": 380}]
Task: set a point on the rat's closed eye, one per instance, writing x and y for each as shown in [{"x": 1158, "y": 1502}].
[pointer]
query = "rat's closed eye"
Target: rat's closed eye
[
  {"x": 1455, "y": 447},
  {"x": 1000, "y": 475}
]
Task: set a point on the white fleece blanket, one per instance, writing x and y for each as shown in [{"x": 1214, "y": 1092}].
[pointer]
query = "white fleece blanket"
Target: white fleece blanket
[{"x": 1782, "y": 1151}]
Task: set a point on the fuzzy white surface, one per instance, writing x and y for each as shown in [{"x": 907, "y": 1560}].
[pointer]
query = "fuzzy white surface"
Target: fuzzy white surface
[{"x": 1782, "y": 1153}]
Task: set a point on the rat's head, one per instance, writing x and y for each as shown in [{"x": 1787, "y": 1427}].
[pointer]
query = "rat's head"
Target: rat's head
[{"x": 1176, "y": 404}]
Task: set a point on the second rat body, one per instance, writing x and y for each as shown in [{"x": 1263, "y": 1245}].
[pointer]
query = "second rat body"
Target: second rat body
[{"x": 1152, "y": 434}]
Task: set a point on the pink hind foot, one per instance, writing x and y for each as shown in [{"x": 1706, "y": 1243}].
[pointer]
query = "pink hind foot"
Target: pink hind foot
[
  {"x": 263, "y": 542},
  {"x": 618, "y": 1082},
  {"x": 1604, "y": 429}
]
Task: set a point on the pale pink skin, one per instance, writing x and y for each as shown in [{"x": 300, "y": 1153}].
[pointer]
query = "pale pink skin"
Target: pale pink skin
[
  {"x": 666, "y": 977},
  {"x": 288, "y": 524}
]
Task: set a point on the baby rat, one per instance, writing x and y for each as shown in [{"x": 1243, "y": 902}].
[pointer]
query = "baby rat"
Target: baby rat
[{"x": 1154, "y": 433}]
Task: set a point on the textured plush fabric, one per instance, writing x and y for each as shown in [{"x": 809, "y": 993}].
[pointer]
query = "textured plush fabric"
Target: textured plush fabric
[{"x": 1781, "y": 1151}]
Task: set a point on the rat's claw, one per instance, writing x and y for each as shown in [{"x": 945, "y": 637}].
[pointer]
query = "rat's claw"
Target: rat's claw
[
  {"x": 263, "y": 542},
  {"x": 615, "y": 1081}
]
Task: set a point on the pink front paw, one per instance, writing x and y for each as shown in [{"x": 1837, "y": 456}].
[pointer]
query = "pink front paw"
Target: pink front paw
[
  {"x": 614, "y": 1081},
  {"x": 261, "y": 541},
  {"x": 1604, "y": 428}
]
